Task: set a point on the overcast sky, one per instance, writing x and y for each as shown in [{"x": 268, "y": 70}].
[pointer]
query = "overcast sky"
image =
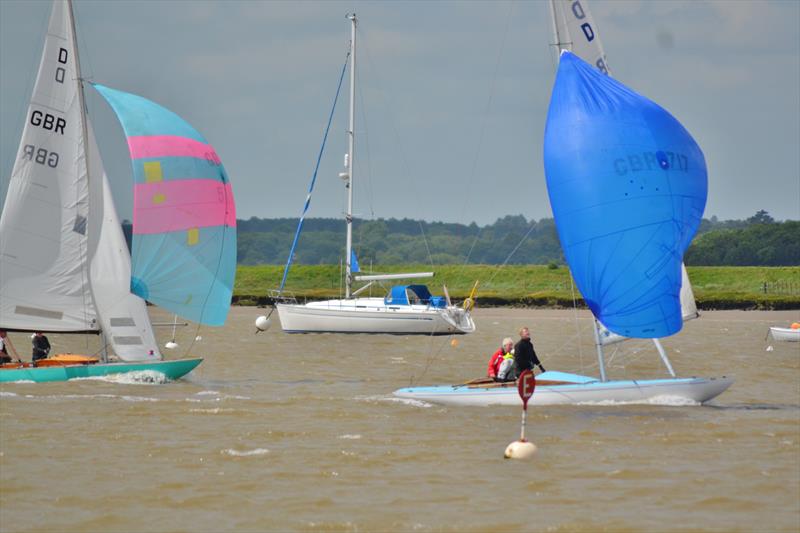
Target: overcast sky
[{"x": 452, "y": 96}]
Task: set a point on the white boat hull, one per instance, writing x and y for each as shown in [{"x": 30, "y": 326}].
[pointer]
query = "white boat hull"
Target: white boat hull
[
  {"x": 372, "y": 315},
  {"x": 589, "y": 391},
  {"x": 785, "y": 334}
]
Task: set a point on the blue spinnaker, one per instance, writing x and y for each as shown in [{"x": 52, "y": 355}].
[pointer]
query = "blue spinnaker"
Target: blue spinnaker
[{"x": 628, "y": 186}]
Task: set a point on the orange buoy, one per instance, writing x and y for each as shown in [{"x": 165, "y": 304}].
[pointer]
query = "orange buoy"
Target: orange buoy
[{"x": 795, "y": 325}]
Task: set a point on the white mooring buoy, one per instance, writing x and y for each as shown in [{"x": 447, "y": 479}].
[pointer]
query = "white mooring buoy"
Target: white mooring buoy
[
  {"x": 171, "y": 345},
  {"x": 262, "y": 324},
  {"x": 522, "y": 449}
]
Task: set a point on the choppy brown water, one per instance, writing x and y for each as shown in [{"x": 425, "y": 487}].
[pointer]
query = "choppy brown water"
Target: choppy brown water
[{"x": 280, "y": 432}]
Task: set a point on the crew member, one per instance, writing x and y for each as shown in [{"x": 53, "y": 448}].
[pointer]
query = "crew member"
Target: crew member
[
  {"x": 41, "y": 346},
  {"x": 499, "y": 359},
  {"x": 524, "y": 354}
]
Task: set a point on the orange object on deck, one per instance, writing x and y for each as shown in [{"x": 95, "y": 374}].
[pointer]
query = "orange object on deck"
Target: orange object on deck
[
  {"x": 65, "y": 359},
  {"x": 15, "y": 365}
]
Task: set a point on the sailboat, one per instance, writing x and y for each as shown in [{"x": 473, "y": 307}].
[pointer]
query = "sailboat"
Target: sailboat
[
  {"x": 406, "y": 309},
  {"x": 628, "y": 185},
  {"x": 64, "y": 261},
  {"x": 791, "y": 334}
]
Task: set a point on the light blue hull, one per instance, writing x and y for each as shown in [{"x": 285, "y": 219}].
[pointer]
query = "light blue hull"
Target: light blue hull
[
  {"x": 575, "y": 389},
  {"x": 170, "y": 369}
]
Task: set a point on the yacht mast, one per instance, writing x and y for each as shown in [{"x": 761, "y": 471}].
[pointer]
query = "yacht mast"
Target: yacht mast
[{"x": 348, "y": 160}]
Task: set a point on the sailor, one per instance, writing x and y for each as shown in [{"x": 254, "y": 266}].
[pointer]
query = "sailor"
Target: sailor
[
  {"x": 41, "y": 346},
  {"x": 524, "y": 354},
  {"x": 502, "y": 361},
  {"x": 4, "y": 357}
]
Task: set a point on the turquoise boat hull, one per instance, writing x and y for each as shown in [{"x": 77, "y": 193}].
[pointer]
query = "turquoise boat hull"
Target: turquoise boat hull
[{"x": 170, "y": 369}]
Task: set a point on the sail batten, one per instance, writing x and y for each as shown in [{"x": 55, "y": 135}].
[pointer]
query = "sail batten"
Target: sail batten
[
  {"x": 184, "y": 218},
  {"x": 628, "y": 186}
]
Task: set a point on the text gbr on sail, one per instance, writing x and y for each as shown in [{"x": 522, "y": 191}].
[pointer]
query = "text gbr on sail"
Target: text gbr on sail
[
  {"x": 645, "y": 161},
  {"x": 48, "y": 121}
]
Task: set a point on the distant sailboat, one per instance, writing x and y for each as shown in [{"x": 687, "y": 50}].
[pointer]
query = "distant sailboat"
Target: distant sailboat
[
  {"x": 785, "y": 334},
  {"x": 407, "y": 309},
  {"x": 64, "y": 262},
  {"x": 628, "y": 185}
]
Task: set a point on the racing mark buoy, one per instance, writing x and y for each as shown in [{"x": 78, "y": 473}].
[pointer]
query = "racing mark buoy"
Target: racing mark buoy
[
  {"x": 522, "y": 449},
  {"x": 171, "y": 345},
  {"x": 262, "y": 324}
]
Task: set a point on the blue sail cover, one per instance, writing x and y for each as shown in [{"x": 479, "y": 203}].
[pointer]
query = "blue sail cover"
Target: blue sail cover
[
  {"x": 184, "y": 219},
  {"x": 628, "y": 186}
]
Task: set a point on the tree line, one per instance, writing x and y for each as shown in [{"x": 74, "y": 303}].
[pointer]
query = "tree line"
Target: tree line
[{"x": 756, "y": 241}]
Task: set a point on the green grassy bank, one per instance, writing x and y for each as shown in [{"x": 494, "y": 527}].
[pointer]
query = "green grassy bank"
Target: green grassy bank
[{"x": 531, "y": 285}]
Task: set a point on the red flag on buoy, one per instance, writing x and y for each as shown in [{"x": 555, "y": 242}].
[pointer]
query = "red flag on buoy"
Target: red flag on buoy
[{"x": 525, "y": 385}]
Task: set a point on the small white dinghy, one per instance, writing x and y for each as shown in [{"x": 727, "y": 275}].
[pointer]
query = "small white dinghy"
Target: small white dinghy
[
  {"x": 785, "y": 334},
  {"x": 561, "y": 388}
]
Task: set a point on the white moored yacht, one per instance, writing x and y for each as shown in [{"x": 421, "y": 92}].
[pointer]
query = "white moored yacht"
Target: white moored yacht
[{"x": 406, "y": 309}]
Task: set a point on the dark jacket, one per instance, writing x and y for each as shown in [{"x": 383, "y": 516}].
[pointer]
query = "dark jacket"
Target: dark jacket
[
  {"x": 41, "y": 347},
  {"x": 525, "y": 357}
]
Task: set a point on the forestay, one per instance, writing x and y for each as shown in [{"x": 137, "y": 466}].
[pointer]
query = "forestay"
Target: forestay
[
  {"x": 44, "y": 281},
  {"x": 628, "y": 186},
  {"x": 184, "y": 220}
]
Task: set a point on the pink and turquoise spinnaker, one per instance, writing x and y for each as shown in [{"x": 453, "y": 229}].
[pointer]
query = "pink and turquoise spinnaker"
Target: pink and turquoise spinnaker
[{"x": 184, "y": 220}]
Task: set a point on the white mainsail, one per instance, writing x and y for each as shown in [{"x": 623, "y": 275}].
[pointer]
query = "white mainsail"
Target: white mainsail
[
  {"x": 574, "y": 30},
  {"x": 44, "y": 279},
  {"x": 64, "y": 262},
  {"x": 123, "y": 316}
]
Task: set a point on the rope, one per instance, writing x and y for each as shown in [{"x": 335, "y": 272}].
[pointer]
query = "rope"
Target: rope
[
  {"x": 575, "y": 316},
  {"x": 428, "y": 362},
  {"x": 486, "y": 112},
  {"x": 403, "y": 160},
  {"x": 510, "y": 255},
  {"x": 368, "y": 173},
  {"x": 313, "y": 178}
]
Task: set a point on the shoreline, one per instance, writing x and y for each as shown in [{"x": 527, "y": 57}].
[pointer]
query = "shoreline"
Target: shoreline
[
  {"x": 712, "y": 303},
  {"x": 528, "y": 286}
]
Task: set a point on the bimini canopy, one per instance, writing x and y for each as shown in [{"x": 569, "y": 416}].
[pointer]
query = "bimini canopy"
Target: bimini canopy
[{"x": 413, "y": 294}]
